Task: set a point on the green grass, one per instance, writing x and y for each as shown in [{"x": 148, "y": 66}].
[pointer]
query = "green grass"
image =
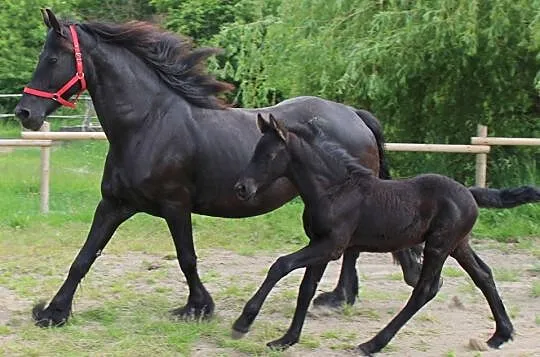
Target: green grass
[
  {"x": 535, "y": 291},
  {"x": 36, "y": 251}
]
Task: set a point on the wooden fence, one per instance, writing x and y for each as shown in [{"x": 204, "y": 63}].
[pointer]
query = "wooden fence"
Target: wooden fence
[{"x": 480, "y": 146}]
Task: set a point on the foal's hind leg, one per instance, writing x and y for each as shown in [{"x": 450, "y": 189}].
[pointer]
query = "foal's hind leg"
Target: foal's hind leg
[
  {"x": 483, "y": 279},
  {"x": 311, "y": 279},
  {"x": 108, "y": 216},
  {"x": 425, "y": 290}
]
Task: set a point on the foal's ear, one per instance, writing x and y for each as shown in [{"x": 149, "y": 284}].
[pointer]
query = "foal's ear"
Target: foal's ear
[
  {"x": 262, "y": 124},
  {"x": 50, "y": 20},
  {"x": 279, "y": 128}
]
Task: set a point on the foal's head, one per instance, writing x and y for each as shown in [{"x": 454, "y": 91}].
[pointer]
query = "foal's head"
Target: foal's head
[{"x": 269, "y": 161}]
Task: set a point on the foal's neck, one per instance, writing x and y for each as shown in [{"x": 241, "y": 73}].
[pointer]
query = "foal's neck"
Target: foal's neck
[{"x": 317, "y": 180}]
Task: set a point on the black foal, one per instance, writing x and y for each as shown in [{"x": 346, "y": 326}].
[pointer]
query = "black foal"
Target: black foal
[{"x": 349, "y": 210}]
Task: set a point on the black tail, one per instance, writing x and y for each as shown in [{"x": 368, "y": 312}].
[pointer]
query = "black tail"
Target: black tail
[
  {"x": 505, "y": 198},
  {"x": 375, "y": 126},
  {"x": 413, "y": 254}
]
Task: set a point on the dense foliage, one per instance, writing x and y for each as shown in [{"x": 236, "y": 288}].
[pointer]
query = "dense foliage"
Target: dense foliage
[{"x": 430, "y": 70}]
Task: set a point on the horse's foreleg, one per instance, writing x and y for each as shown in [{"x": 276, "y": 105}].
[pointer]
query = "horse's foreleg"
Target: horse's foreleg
[
  {"x": 108, "y": 216},
  {"x": 425, "y": 290},
  {"x": 346, "y": 290},
  {"x": 200, "y": 303},
  {"x": 314, "y": 254},
  {"x": 311, "y": 279}
]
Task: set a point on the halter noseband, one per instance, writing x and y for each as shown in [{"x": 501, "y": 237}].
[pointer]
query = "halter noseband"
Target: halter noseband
[{"x": 79, "y": 76}]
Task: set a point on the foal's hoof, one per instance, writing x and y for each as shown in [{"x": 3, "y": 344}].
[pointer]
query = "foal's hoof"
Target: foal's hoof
[
  {"x": 366, "y": 349},
  {"x": 50, "y": 316},
  {"x": 329, "y": 299},
  {"x": 191, "y": 312}
]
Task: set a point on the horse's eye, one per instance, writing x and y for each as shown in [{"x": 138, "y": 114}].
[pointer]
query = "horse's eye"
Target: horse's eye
[{"x": 52, "y": 60}]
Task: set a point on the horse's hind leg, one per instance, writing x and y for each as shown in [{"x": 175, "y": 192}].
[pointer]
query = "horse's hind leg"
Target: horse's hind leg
[
  {"x": 410, "y": 261},
  {"x": 108, "y": 216},
  {"x": 482, "y": 277},
  {"x": 311, "y": 279},
  {"x": 346, "y": 290},
  {"x": 425, "y": 290}
]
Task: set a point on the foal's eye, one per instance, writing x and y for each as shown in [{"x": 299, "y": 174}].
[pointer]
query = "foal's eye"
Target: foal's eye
[{"x": 52, "y": 60}]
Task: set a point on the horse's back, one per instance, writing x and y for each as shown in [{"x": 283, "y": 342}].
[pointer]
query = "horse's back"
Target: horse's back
[{"x": 339, "y": 122}]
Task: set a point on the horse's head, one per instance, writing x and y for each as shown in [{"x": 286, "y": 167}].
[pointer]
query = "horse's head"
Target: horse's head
[
  {"x": 269, "y": 161},
  {"x": 57, "y": 77}
]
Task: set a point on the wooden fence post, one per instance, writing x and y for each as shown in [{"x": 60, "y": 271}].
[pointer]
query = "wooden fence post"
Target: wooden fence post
[
  {"x": 481, "y": 159},
  {"x": 45, "y": 172}
]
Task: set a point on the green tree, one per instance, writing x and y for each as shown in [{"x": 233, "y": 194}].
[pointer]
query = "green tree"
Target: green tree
[{"x": 431, "y": 70}]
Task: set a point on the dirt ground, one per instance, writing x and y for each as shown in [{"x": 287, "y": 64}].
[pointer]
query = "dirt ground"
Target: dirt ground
[{"x": 442, "y": 328}]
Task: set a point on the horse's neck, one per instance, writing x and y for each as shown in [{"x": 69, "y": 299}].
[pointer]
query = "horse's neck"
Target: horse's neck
[{"x": 124, "y": 90}]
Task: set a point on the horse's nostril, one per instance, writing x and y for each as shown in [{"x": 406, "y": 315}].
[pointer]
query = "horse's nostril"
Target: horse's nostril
[{"x": 22, "y": 113}]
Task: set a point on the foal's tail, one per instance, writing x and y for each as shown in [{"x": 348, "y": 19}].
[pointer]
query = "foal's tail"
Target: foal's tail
[
  {"x": 505, "y": 198},
  {"x": 407, "y": 257}
]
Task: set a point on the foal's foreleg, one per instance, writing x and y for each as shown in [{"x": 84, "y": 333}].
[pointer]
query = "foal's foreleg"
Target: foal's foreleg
[
  {"x": 425, "y": 290},
  {"x": 108, "y": 216},
  {"x": 483, "y": 279},
  {"x": 316, "y": 253},
  {"x": 312, "y": 276}
]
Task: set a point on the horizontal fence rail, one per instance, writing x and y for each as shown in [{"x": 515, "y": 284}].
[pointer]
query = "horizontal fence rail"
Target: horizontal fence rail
[
  {"x": 24, "y": 143},
  {"x": 466, "y": 149},
  {"x": 60, "y": 136},
  {"x": 480, "y": 147},
  {"x": 475, "y": 140}
]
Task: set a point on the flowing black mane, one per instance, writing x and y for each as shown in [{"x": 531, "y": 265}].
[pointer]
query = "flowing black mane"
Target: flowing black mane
[
  {"x": 171, "y": 56},
  {"x": 333, "y": 154}
]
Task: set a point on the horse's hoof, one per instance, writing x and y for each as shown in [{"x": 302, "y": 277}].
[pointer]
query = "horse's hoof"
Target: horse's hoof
[
  {"x": 236, "y": 335},
  {"x": 194, "y": 313},
  {"x": 497, "y": 340},
  {"x": 281, "y": 344},
  {"x": 50, "y": 316},
  {"x": 329, "y": 299}
]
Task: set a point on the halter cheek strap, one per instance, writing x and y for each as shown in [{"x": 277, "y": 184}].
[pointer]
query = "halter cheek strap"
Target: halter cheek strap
[{"x": 79, "y": 76}]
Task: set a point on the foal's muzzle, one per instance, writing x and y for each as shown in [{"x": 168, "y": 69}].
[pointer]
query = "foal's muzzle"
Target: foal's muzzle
[{"x": 245, "y": 189}]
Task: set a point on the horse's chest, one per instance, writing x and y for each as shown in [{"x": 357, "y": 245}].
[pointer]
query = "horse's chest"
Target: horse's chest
[{"x": 146, "y": 188}]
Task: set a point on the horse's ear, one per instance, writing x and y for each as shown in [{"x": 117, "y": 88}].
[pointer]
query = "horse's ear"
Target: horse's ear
[
  {"x": 279, "y": 128},
  {"x": 51, "y": 21},
  {"x": 45, "y": 18},
  {"x": 262, "y": 124}
]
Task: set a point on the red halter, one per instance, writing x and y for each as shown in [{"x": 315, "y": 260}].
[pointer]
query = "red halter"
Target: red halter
[{"x": 79, "y": 76}]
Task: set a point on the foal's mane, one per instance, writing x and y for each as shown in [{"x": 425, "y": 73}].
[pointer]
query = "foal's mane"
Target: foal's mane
[
  {"x": 334, "y": 155},
  {"x": 171, "y": 56}
]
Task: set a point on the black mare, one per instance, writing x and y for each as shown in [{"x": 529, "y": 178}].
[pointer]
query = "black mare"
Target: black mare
[
  {"x": 174, "y": 148},
  {"x": 348, "y": 208}
]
